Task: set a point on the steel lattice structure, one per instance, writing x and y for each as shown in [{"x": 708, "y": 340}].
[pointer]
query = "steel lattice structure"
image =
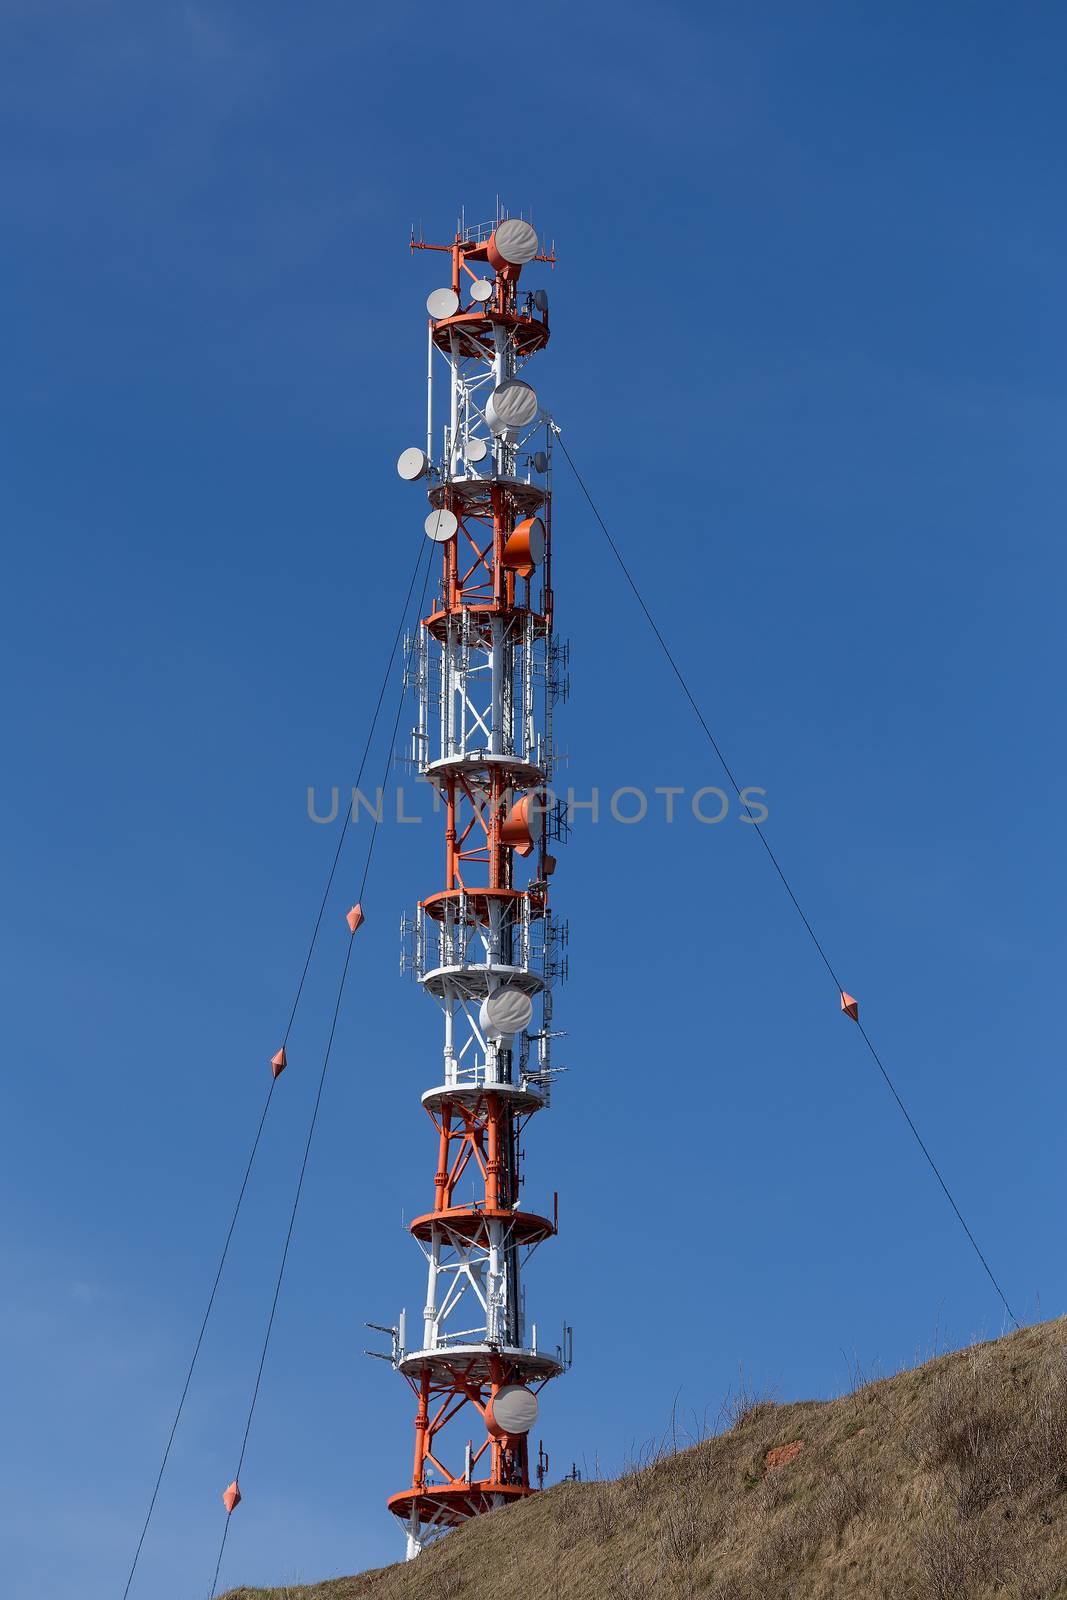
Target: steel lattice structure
[{"x": 486, "y": 670}]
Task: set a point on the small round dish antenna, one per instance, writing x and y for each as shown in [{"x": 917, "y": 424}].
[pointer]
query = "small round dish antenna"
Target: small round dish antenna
[
  {"x": 481, "y": 290},
  {"x": 540, "y": 461},
  {"x": 511, "y": 1411},
  {"x": 442, "y": 303},
  {"x": 475, "y": 449},
  {"x": 541, "y": 299},
  {"x": 441, "y": 526},
  {"x": 514, "y": 242},
  {"x": 412, "y": 463},
  {"x": 506, "y": 1011},
  {"x": 512, "y": 406}
]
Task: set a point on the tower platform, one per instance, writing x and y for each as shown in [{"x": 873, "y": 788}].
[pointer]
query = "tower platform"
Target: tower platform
[
  {"x": 477, "y": 1363},
  {"x": 524, "y": 774},
  {"x": 468, "y": 1222},
  {"x": 473, "y": 980},
  {"x": 519, "y": 1098},
  {"x": 472, "y": 332},
  {"x": 447, "y": 1505},
  {"x": 474, "y": 496}
]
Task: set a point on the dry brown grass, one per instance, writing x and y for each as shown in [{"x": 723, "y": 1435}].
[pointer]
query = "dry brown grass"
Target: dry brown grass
[{"x": 948, "y": 1482}]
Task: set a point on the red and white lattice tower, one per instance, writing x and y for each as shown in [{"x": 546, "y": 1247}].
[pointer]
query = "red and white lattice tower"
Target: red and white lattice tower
[{"x": 486, "y": 670}]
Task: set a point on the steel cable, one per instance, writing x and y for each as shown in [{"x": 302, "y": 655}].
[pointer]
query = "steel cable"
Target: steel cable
[
  {"x": 377, "y": 816},
  {"x": 781, "y": 874},
  {"x": 270, "y": 1092}
]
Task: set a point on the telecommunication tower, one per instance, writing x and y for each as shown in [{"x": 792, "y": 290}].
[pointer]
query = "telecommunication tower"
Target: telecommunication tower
[{"x": 486, "y": 670}]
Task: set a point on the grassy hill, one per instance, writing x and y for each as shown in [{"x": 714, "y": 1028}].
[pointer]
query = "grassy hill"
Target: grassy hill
[{"x": 948, "y": 1482}]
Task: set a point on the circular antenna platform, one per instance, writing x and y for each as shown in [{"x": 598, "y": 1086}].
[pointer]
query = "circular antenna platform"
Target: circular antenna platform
[
  {"x": 481, "y": 290},
  {"x": 412, "y": 463},
  {"x": 514, "y": 242},
  {"x": 541, "y": 299},
  {"x": 512, "y": 1410},
  {"x": 504, "y": 1012},
  {"x": 441, "y": 526},
  {"x": 475, "y": 449},
  {"x": 512, "y": 406},
  {"x": 442, "y": 303}
]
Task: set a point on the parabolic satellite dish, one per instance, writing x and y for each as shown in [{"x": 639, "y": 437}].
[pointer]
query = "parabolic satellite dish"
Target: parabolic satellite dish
[
  {"x": 441, "y": 526},
  {"x": 513, "y": 243},
  {"x": 524, "y": 548},
  {"x": 412, "y": 463},
  {"x": 481, "y": 290},
  {"x": 507, "y": 1010},
  {"x": 541, "y": 299},
  {"x": 525, "y": 822},
  {"x": 475, "y": 449},
  {"x": 512, "y": 1410},
  {"x": 442, "y": 303},
  {"x": 512, "y": 406}
]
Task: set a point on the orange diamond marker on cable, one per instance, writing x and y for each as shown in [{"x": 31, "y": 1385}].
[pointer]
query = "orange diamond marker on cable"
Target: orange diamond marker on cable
[
  {"x": 850, "y": 1007},
  {"x": 279, "y": 1062},
  {"x": 232, "y": 1497},
  {"x": 355, "y": 918}
]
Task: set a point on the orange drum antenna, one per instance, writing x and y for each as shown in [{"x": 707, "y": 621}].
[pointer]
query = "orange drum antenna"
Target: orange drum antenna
[{"x": 484, "y": 945}]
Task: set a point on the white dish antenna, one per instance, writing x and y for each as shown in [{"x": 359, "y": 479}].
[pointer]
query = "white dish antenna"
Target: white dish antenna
[
  {"x": 442, "y": 303},
  {"x": 512, "y": 1410},
  {"x": 513, "y": 243},
  {"x": 441, "y": 526},
  {"x": 412, "y": 463},
  {"x": 506, "y": 1011},
  {"x": 540, "y": 461},
  {"x": 481, "y": 290},
  {"x": 511, "y": 407},
  {"x": 475, "y": 450},
  {"x": 541, "y": 299}
]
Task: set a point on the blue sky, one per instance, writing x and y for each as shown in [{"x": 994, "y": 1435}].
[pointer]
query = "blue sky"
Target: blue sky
[{"x": 809, "y": 352}]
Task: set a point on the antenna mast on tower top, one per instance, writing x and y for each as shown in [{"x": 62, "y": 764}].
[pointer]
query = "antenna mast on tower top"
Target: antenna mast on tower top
[{"x": 487, "y": 670}]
